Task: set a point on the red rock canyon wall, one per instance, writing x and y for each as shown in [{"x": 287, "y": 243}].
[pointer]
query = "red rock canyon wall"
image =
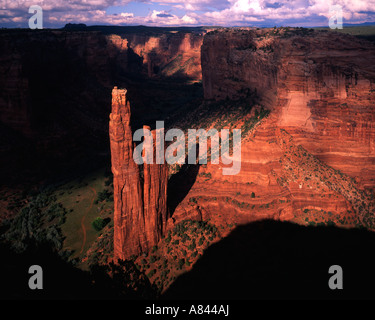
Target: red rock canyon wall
[{"x": 321, "y": 85}]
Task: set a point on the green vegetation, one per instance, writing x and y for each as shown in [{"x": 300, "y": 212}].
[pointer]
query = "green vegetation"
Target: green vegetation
[
  {"x": 298, "y": 31},
  {"x": 38, "y": 222},
  {"x": 56, "y": 215},
  {"x": 363, "y": 32},
  {"x": 329, "y": 181},
  {"x": 250, "y": 46},
  {"x": 101, "y": 250},
  {"x": 266, "y": 48},
  {"x": 207, "y": 175},
  {"x": 178, "y": 250},
  {"x": 181, "y": 263},
  {"x": 226, "y": 114},
  {"x": 99, "y": 223},
  {"x": 194, "y": 199},
  {"x": 104, "y": 195}
]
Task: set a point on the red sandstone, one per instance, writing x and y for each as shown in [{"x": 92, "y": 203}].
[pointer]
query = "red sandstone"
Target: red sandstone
[{"x": 140, "y": 209}]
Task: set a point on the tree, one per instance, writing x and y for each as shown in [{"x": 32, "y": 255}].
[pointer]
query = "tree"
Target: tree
[
  {"x": 99, "y": 223},
  {"x": 181, "y": 262}
]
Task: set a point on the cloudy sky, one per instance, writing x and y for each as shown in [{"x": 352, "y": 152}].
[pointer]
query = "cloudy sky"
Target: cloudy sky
[{"x": 56, "y": 13}]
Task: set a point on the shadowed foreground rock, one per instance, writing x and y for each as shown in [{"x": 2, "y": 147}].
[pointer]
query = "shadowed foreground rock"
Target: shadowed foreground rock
[
  {"x": 280, "y": 260},
  {"x": 140, "y": 204}
]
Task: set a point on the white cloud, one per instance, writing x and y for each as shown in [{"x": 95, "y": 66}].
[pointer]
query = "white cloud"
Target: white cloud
[
  {"x": 189, "y": 20},
  {"x": 127, "y": 15},
  {"x": 166, "y": 18},
  {"x": 196, "y": 12},
  {"x": 247, "y": 6},
  {"x": 245, "y": 11},
  {"x": 194, "y": 5}
]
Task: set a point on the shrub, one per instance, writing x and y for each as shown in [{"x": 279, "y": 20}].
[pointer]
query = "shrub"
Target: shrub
[
  {"x": 151, "y": 273},
  {"x": 181, "y": 262},
  {"x": 193, "y": 200},
  {"x": 191, "y": 247},
  {"x": 168, "y": 238},
  {"x": 99, "y": 223},
  {"x": 201, "y": 241},
  {"x": 165, "y": 263},
  {"x": 104, "y": 195}
]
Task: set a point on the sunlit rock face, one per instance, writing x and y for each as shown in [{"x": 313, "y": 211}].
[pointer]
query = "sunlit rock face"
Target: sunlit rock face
[
  {"x": 321, "y": 86},
  {"x": 169, "y": 54},
  {"x": 155, "y": 181},
  {"x": 312, "y": 159},
  {"x": 140, "y": 205}
]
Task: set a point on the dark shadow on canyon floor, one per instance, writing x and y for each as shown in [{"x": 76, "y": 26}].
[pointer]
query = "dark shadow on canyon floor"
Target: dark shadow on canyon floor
[
  {"x": 264, "y": 259},
  {"x": 271, "y": 259},
  {"x": 61, "y": 280}
]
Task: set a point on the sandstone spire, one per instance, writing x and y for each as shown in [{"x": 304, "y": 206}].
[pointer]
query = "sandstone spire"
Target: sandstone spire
[
  {"x": 155, "y": 196},
  {"x": 140, "y": 206}
]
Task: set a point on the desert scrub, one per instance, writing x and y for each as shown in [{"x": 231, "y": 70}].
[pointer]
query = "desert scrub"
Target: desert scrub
[
  {"x": 104, "y": 195},
  {"x": 34, "y": 223},
  {"x": 99, "y": 223}
]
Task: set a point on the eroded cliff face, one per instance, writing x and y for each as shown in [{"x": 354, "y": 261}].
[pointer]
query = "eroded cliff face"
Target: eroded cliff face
[
  {"x": 311, "y": 160},
  {"x": 52, "y": 77},
  {"x": 140, "y": 205},
  {"x": 169, "y": 54},
  {"x": 319, "y": 85}
]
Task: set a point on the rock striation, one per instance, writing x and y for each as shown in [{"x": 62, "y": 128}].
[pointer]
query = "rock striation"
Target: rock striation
[
  {"x": 140, "y": 205},
  {"x": 155, "y": 181},
  {"x": 169, "y": 54},
  {"x": 319, "y": 85},
  {"x": 312, "y": 159}
]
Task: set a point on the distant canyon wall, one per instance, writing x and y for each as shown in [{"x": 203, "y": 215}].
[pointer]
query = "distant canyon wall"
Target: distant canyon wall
[
  {"x": 49, "y": 72},
  {"x": 170, "y": 54}
]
